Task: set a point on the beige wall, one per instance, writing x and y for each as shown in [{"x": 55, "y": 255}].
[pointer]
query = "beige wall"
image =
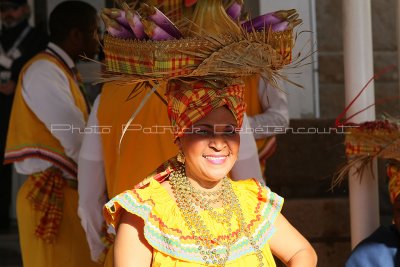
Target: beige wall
[
  {"x": 330, "y": 51},
  {"x": 330, "y": 55}
]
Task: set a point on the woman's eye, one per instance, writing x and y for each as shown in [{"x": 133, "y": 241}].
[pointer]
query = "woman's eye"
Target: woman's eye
[
  {"x": 203, "y": 132},
  {"x": 230, "y": 133}
]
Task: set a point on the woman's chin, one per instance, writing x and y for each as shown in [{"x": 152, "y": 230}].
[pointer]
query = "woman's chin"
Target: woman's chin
[{"x": 217, "y": 175}]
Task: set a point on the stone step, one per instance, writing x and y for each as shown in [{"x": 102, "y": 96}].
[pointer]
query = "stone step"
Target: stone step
[
  {"x": 319, "y": 219},
  {"x": 325, "y": 223},
  {"x": 306, "y": 158}
]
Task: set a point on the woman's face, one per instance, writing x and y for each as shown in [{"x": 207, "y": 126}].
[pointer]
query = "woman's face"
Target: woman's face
[{"x": 211, "y": 147}]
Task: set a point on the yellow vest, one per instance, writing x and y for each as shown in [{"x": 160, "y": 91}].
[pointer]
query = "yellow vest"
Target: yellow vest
[
  {"x": 144, "y": 147},
  {"x": 28, "y": 137},
  {"x": 252, "y": 100}
]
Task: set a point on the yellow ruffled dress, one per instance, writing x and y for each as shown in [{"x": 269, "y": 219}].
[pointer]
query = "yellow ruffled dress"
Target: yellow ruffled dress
[{"x": 173, "y": 243}]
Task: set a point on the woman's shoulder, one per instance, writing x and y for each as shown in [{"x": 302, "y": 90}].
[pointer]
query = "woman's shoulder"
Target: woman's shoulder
[
  {"x": 140, "y": 201},
  {"x": 152, "y": 193},
  {"x": 252, "y": 189}
]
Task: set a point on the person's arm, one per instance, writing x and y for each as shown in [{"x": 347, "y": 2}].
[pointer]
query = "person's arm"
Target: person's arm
[
  {"x": 275, "y": 110},
  {"x": 290, "y": 246},
  {"x": 248, "y": 164},
  {"x": 131, "y": 249},
  {"x": 92, "y": 187},
  {"x": 46, "y": 91}
]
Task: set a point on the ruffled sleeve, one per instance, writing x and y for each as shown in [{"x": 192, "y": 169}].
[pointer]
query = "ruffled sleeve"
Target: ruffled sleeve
[
  {"x": 164, "y": 227},
  {"x": 139, "y": 202},
  {"x": 260, "y": 208}
]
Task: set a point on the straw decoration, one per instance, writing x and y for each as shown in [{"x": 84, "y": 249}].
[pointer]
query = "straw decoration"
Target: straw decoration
[
  {"x": 367, "y": 141},
  {"x": 202, "y": 57}
]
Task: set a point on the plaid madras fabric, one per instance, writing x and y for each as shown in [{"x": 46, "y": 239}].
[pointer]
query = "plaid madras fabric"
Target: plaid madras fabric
[
  {"x": 108, "y": 240},
  {"x": 393, "y": 172},
  {"x": 147, "y": 62},
  {"x": 361, "y": 149},
  {"x": 47, "y": 197},
  {"x": 190, "y": 103},
  {"x": 161, "y": 173},
  {"x": 356, "y": 143}
]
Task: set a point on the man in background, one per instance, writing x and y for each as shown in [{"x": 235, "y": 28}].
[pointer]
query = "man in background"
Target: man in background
[
  {"x": 18, "y": 43},
  {"x": 48, "y": 117},
  {"x": 381, "y": 248}
]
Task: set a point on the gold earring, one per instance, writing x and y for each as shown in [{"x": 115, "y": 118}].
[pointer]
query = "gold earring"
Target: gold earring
[{"x": 180, "y": 157}]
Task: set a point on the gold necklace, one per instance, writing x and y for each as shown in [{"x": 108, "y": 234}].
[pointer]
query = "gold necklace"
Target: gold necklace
[{"x": 190, "y": 200}]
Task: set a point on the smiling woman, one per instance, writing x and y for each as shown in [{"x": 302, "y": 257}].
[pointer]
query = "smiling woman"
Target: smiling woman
[
  {"x": 189, "y": 212},
  {"x": 211, "y": 148}
]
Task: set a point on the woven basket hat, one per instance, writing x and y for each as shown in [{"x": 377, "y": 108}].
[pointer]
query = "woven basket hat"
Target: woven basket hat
[
  {"x": 212, "y": 49},
  {"x": 200, "y": 54}
]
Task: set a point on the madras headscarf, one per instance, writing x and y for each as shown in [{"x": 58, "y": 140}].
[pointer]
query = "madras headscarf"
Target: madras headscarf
[
  {"x": 393, "y": 172},
  {"x": 188, "y": 103}
]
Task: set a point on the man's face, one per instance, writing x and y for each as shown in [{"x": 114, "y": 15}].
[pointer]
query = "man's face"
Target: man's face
[
  {"x": 91, "y": 39},
  {"x": 11, "y": 15}
]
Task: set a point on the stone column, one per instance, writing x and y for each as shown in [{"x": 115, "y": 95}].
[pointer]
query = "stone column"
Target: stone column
[{"x": 358, "y": 67}]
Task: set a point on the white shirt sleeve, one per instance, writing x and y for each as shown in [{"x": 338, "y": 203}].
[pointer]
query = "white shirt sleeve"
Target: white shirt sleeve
[
  {"x": 92, "y": 186},
  {"x": 248, "y": 164},
  {"x": 275, "y": 111},
  {"x": 46, "y": 91}
]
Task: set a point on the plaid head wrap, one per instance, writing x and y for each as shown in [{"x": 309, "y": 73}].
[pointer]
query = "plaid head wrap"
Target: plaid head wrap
[
  {"x": 393, "y": 172},
  {"x": 189, "y": 103}
]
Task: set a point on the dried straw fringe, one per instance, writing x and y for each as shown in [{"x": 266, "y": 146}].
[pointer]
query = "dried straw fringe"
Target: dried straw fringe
[
  {"x": 379, "y": 143},
  {"x": 360, "y": 163}
]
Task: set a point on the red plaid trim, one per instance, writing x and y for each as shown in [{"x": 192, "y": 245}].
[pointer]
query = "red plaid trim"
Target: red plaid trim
[
  {"x": 47, "y": 196},
  {"x": 145, "y": 64},
  {"x": 360, "y": 149},
  {"x": 393, "y": 172},
  {"x": 188, "y": 104}
]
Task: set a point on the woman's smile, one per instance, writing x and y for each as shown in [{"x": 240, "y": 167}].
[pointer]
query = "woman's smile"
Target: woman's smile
[{"x": 216, "y": 159}]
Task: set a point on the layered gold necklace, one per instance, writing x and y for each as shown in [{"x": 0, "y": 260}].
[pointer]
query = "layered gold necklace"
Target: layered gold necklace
[{"x": 191, "y": 201}]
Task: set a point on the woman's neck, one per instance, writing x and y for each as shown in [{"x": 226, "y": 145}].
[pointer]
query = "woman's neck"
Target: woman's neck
[{"x": 205, "y": 185}]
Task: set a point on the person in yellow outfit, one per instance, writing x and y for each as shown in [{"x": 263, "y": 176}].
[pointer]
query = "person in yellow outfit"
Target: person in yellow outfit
[
  {"x": 45, "y": 133},
  {"x": 189, "y": 213},
  {"x": 110, "y": 163},
  {"x": 268, "y": 112}
]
